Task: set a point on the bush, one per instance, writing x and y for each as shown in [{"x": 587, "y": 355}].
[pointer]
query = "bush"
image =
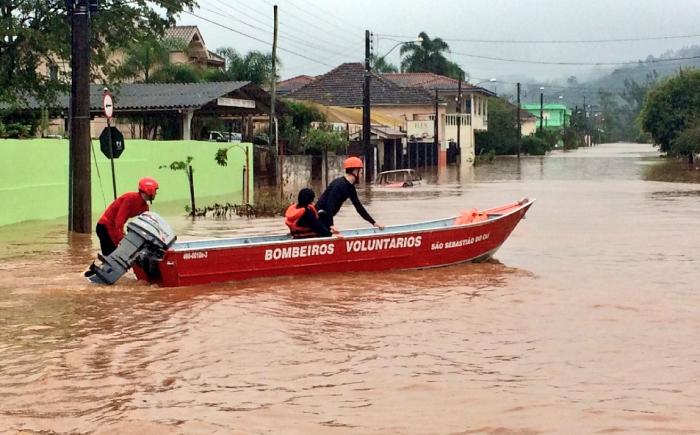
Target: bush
[
  {"x": 261, "y": 139},
  {"x": 550, "y": 138},
  {"x": 534, "y": 146},
  {"x": 687, "y": 143},
  {"x": 17, "y": 130},
  {"x": 487, "y": 157},
  {"x": 571, "y": 138}
]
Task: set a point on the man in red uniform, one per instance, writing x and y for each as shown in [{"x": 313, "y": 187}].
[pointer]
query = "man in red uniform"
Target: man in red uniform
[{"x": 110, "y": 227}]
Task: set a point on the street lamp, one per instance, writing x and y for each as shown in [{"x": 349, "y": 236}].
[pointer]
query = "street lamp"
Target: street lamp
[
  {"x": 541, "y": 106},
  {"x": 491, "y": 80},
  {"x": 398, "y": 43}
]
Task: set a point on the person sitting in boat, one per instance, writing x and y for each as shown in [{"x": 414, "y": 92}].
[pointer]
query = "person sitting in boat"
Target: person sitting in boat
[
  {"x": 110, "y": 227},
  {"x": 339, "y": 191},
  {"x": 302, "y": 217}
]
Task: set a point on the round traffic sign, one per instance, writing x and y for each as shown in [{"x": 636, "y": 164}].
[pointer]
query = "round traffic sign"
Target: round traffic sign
[{"x": 108, "y": 105}]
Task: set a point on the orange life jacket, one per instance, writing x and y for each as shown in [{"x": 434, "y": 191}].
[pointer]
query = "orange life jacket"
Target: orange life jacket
[
  {"x": 291, "y": 219},
  {"x": 469, "y": 217}
]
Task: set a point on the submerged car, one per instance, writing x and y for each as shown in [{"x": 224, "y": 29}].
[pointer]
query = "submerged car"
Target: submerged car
[{"x": 398, "y": 178}]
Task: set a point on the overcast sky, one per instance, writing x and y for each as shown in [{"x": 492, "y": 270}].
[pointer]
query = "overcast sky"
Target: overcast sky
[{"x": 324, "y": 34}]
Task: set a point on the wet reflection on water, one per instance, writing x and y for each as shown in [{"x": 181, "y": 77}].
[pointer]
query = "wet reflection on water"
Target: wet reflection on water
[{"x": 586, "y": 321}]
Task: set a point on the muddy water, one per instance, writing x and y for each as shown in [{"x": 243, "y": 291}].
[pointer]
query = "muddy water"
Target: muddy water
[{"x": 587, "y": 321}]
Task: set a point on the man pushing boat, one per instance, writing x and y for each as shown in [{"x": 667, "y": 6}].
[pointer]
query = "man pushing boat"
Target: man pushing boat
[
  {"x": 110, "y": 227},
  {"x": 339, "y": 191}
]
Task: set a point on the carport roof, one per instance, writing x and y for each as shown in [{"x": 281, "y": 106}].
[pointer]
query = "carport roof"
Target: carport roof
[{"x": 160, "y": 96}]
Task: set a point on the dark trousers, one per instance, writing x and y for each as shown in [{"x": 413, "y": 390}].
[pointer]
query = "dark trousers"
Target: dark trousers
[
  {"x": 324, "y": 218},
  {"x": 107, "y": 246}
]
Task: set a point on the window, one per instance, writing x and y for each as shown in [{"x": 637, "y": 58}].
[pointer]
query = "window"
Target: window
[{"x": 53, "y": 72}]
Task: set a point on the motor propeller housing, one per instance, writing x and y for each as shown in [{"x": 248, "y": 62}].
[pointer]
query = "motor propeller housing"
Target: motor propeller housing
[{"x": 147, "y": 238}]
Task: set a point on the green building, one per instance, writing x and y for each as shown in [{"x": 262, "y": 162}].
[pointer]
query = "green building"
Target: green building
[{"x": 554, "y": 115}]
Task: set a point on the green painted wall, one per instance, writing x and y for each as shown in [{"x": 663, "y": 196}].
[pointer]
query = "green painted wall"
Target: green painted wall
[
  {"x": 34, "y": 175},
  {"x": 556, "y": 115}
]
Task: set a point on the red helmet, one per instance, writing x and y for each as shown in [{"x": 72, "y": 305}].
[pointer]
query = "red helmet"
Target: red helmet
[
  {"x": 353, "y": 163},
  {"x": 148, "y": 186}
]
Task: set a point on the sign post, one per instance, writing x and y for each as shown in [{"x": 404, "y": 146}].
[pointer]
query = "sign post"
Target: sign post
[{"x": 108, "y": 108}]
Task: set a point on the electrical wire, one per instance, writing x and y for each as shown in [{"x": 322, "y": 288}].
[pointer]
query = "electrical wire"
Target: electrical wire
[
  {"x": 268, "y": 31},
  {"x": 560, "y": 41},
  {"x": 257, "y": 39},
  {"x": 316, "y": 25},
  {"x": 539, "y": 62}
]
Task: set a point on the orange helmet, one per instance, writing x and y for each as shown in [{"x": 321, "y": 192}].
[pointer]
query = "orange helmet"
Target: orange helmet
[
  {"x": 353, "y": 163},
  {"x": 148, "y": 186}
]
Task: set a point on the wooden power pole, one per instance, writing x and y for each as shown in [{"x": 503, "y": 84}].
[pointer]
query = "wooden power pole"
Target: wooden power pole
[
  {"x": 517, "y": 114},
  {"x": 273, "y": 119},
  {"x": 366, "y": 118},
  {"x": 79, "y": 182}
]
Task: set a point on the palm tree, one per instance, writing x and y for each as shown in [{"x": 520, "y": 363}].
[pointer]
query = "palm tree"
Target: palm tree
[
  {"x": 380, "y": 65},
  {"x": 426, "y": 56},
  {"x": 255, "y": 66},
  {"x": 144, "y": 59}
]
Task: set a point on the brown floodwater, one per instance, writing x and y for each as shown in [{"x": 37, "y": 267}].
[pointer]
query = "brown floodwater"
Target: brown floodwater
[{"x": 586, "y": 321}]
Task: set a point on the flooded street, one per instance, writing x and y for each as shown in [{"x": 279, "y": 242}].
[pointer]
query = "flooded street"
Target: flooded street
[{"x": 586, "y": 321}]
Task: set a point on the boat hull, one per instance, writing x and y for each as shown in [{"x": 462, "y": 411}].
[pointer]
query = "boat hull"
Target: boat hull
[{"x": 381, "y": 251}]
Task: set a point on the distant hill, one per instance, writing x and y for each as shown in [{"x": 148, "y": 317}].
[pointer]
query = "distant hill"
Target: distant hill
[{"x": 573, "y": 90}]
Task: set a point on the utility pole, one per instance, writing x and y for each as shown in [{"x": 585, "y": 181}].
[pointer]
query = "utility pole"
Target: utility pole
[
  {"x": 585, "y": 122},
  {"x": 79, "y": 180},
  {"x": 517, "y": 114},
  {"x": 541, "y": 109},
  {"x": 459, "y": 116},
  {"x": 273, "y": 119},
  {"x": 366, "y": 120},
  {"x": 436, "y": 124}
]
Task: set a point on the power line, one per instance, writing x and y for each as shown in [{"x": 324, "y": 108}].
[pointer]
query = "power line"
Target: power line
[
  {"x": 315, "y": 25},
  {"x": 540, "y": 62},
  {"x": 290, "y": 39},
  {"x": 309, "y": 12},
  {"x": 559, "y": 41},
  {"x": 256, "y": 39}
]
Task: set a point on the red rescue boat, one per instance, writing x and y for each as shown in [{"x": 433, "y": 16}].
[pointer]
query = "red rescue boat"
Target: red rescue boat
[{"x": 472, "y": 236}]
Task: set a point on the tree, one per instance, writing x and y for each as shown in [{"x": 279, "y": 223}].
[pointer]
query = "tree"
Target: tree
[
  {"x": 380, "y": 65},
  {"x": 254, "y": 67},
  {"x": 502, "y": 135},
  {"x": 671, "y": 107},
  {"x": 325, "y": 139},
  {"x": 687, "y": 143},
  {"x": 295, "y": 124},
  {"x": 611, "y": 113},
  {"x": 633, "y": 99},
  {"x": 185, "y": 165},
  {"x": 143, "y": 60},
  {"x": 39, "y": 31},
  {"x": 426, "y": 56}
]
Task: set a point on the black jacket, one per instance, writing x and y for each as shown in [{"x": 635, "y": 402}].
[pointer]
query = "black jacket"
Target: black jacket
[
  {"x": 335, "y": 195},
  {"x": 309, "y": 220}
]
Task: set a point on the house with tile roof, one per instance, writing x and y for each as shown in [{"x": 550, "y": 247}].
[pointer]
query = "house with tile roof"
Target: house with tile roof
[
  {"x": 343, "y": 87},
  {"x": 196, "y": 52},
  {"x": 472, "y": 117},
  {"x": 292, "y": 84}
]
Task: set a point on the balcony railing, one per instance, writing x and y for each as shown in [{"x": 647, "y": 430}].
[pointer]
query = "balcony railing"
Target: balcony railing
[{"x": 420, "y": 129}]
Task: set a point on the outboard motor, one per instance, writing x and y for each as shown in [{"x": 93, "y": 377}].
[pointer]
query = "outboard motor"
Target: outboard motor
[{"x": 146, "y": 240}]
